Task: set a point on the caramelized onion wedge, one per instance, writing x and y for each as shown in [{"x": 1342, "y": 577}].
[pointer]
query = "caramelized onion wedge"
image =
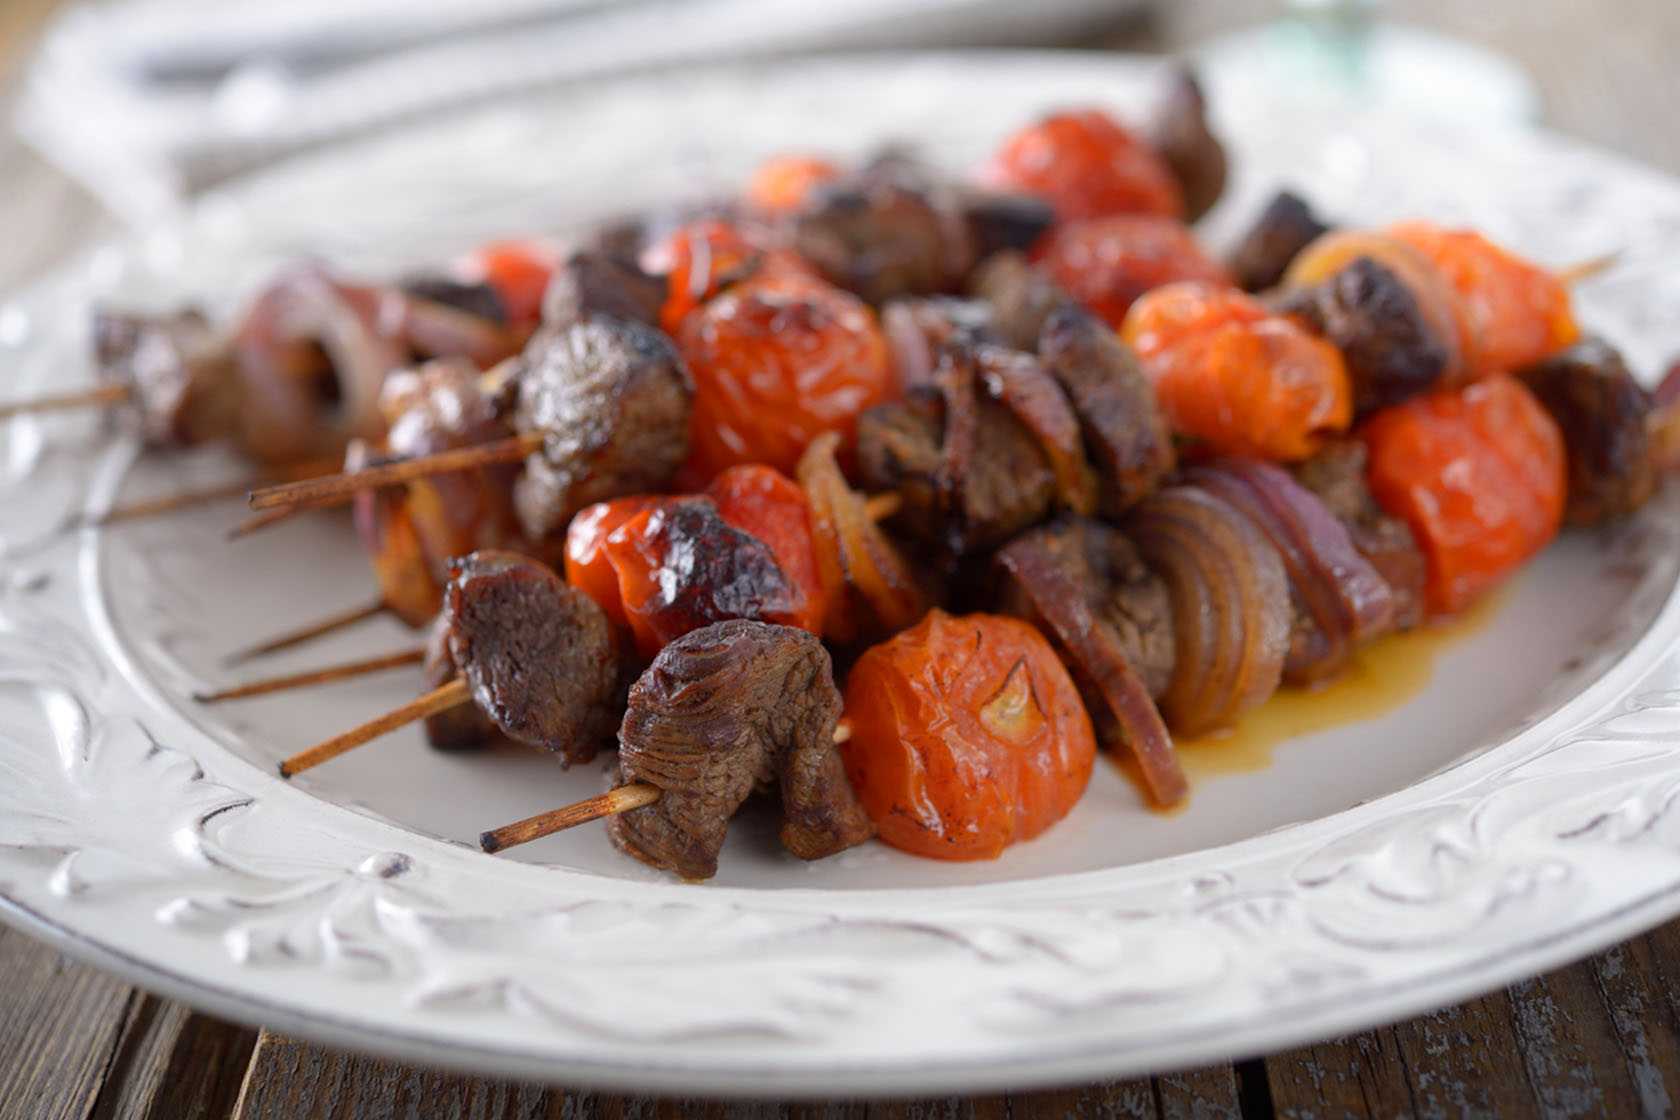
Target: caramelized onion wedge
[
  {"x": 855, "y": 560},
  {"x": 1028, "y": 390},
  {"x": 1094, "y": 649},
  {"x": 1343, "y": 599},
  {"x": 1230, "y": 604}
]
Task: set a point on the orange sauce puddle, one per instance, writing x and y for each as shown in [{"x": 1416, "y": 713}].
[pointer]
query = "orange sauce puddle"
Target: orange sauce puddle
[{"x": 1381, "y": 678}]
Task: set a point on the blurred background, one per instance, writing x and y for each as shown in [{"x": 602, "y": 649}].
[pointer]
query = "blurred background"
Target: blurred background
[{"x": 117, "y": 112}]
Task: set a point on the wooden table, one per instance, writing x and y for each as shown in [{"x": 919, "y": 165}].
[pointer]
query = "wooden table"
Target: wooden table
[{"x": 1600, "y": 1037}]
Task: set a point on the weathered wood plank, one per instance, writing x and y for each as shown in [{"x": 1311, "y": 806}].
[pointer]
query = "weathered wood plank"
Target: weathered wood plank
[
  {"x": 1466, "y": 1061},
  {"x": 60, "y": 1026},
  {"x": 287, "y": 1079},
  {"x": 174, "y": 1064},
  {"x": 1113, "y": 1100},
  {"x": 1637, "y": 980},
  {"x": 1570, "y": 1047},
  {"x": 1199, "y": 1094},
  {"x": 1359, "y": 1076}
]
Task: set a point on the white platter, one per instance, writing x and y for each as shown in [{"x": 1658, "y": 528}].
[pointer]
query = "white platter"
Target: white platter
[{"x": 1518, "y": 813}]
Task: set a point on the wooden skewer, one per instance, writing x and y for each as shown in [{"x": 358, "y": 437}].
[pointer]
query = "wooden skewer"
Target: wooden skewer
[
  {"x": 340, "y": 672},
  {"x": 348, "y": 617},
  {"x": 100, "y": 396},
  {"x": 336, "y": 489},
  {"x": 264, "y": 519},
  {"x": 615, "y": 801},
  {"x": 1582, "y": 271},
  {"x": 879, "y": 507},
  {"x": 439, "y": 699}
]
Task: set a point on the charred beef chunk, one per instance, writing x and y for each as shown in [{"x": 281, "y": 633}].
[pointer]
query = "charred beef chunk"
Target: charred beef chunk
[
  {"x": 917, "y": 329},
  {"x": 704, "y": 570},
  {"x": 889, "y": 229},
  {"x": 970, "y": 472},
  {"x": 1602, "y": 412},
  {"x": 612, "y": 397},
  {"x": 1021, "y": 297},
  {"x": 464, "y": 727},
  {"x": 539, "y": 654},
  {"x": 1000, "y": 222},
  {"x": 1285, "y": 227},
  {"x": 179, "y": 372},
  {"x": 473, "y": 297},
  {"x": 1118, "y": 589},
  {"x": 723, "y": 711},
  {"x": 1372, "y": 317},
  {"x": 1179, "y": 132},
  {"x": 1126, "y": 436},
  {"x": 595, "y": 282},
  {"x": 1337, "y": 476}
]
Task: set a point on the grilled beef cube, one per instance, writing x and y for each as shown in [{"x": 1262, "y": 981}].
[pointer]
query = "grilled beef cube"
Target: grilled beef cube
[
  {"x": 917, "y": 329},
  {"x": 597, "y": 282},
  {"x": 1337, "y": 476},
  {"x": 704, "y": 570},
  {"x": 473, "y": 297},
  {"x": 1602, "y": 412},
  {"x": 1118, "y": 589},
  {"x": 1370, "y": 315},
  {"x": 1001, "y": 222},
  {"x": 612, "y": 397},
  {"x": 1021, "y": 298},
  {"x": 179, "y": 372},
  {"x": 1180, "y": 134},
  {"x": 889, "y": 229},
  {"x": 539, "y": 654},
  {"x": 1285, "y": 227},
  {"x": 464, "y": 727},
  {"x": 723, "y": 711},
  {"x": 970, "y": 472},
  {"x": 1126, "y": 436}
]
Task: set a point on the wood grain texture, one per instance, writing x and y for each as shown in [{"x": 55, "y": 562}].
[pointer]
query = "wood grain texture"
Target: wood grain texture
[{"x": 172, "y": 1063}]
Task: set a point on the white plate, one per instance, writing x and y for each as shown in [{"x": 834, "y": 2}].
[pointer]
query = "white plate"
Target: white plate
[{"x": 1517, "y": 813}]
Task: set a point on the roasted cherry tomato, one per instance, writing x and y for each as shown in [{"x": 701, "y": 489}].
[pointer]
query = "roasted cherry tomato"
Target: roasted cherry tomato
[
  {"x": 1107, "y": 263},
  {"x": 588, "y": 567},
  {"x": 1478, "y": 473},
  {"x": 698, "y": 260},
  {"x": 518, "y": 271},
  {"x": 782, "y": 183},
  {"x": 408, "y": 586},
  {"x": 772, "y": 507},
  {"x": 967, "y": 735},
  {"x": 1232, "y": 374},
  {"x": 1085, "y": 164},
  {"x": 777, "y": 361},
  {"x": 1518, "y": 312}
]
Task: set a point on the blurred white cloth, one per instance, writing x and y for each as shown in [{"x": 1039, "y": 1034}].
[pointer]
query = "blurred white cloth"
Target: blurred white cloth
[{"x": 148, "y": 101}]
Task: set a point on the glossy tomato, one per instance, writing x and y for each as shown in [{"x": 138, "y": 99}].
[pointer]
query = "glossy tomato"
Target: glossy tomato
[
  {"x": 1107, "y": 263},
  {"x": 1086, "y": 164}
]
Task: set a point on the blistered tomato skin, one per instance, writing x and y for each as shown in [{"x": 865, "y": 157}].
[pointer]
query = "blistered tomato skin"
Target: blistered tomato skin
[
  {"x": 1233, "y": 375},
  {"x": 1479, "y": 474},
  {"x": 772, "y": 507},
  {"x": 967, "y": 735},
  {"x": 1107, "y": 263},
  {"x": 697, "y": 260},
  {"x": 518, "y": 272},
  {"x": 781, "y": 184},
  {"x": 1518, "y": 313},
  {"x": 588, "y": 567},
  {"x": 1085, "y": 164},
  {"x": 777, "y": 361}
]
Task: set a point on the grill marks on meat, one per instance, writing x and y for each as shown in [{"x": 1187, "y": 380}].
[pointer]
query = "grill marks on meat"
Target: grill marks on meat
[
  {"x": 539, "y": 655},
  {"x": 1022, "y": 298},
  {"x": 594, "y": 282},
  {"x": 723, "y": 711},
  {"x": 1370, "y": 315},
  {"x": 1125, "y": 434},
  {"x": 1179, "y": 133},
  {"x": 1337, "y": 476},
  {"x": 178, "y": 370},
  {"x": 612, "y": 397},
  {"x": 1603, "y": 414},
  {"x": 1285, "y": 227}
]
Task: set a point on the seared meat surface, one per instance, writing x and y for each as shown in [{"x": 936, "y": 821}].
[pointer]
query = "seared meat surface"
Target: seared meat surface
[
  {"x": 475, "y": 298},
  {"x": 1603, "y": 413},
  {"x": 539, "y": 654},
  {"x": 464, "y": 727},
  {"x": 918, "y": 328},
  {"x": 1126, "y": 436},
  {"x": 723, "y": 711},
  {"x": 612, "y": 399},
  {"x": 1179, "y": 132},
  {"x": 1021, "y": 297},
  {"x": 594, "y": 282},
  {"x": 1337, "y": 476},
  {"x": 1000, "y": 222},
  {"x": 178, "y": 370},
  {"x": 1285, "y": 227}
]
